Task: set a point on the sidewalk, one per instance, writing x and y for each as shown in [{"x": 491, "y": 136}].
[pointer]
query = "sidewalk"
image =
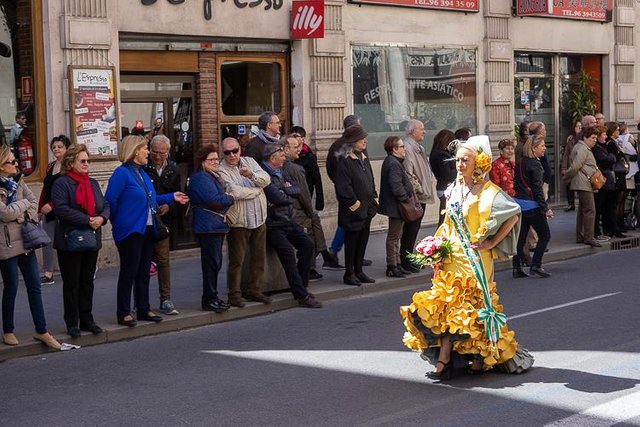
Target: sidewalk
[{"x": 186, "y": 291}]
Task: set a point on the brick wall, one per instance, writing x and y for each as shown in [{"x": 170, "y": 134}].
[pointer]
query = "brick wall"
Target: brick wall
[{"x": 206, "y": 95}]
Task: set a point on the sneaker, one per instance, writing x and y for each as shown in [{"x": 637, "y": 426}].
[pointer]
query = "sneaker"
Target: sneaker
[
  {"x": 314, "y": 276},
  {"x": 153, "y": 270},
  {"x": 309, "y": 302},
  {"x": 167, "y": 307},
  {"x": 603, "y": 238},
  {"x": 44, "y": 280}
]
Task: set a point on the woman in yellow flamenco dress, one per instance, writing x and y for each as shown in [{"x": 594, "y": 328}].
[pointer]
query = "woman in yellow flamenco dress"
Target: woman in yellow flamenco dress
[{"x": 458, "y": 323}]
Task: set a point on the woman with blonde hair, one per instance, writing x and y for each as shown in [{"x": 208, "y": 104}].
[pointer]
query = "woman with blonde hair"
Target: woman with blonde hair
[
  {"x": 134, "y": 203},
  {"x": 81, "y": 211},
  {"x": 17, "y": 204},
  {"x": 528, "y": 182}
]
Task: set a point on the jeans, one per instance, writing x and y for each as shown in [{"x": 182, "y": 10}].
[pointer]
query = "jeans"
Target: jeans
[
  {"x": 28, "y": 265},
  {"x": 135, "y": 260},
  {"x": 533, "y": 218},
  {"x": 77, "y": 270},
  {"x": 338, "y": 240},
  {"x": 355, "y": 245},
  {"x": 409, "y": 235},
  {"x": 284, "y": 240},
  {"x": 211, "y": 262}
]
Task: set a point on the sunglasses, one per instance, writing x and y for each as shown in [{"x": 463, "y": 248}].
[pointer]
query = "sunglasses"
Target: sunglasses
[
  {"x": 228, "y": 152},
  {"x": 84, "y": 161},
  {"x": 11, "y": 162}
]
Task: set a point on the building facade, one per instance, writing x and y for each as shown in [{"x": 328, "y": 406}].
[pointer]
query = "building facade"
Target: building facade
[{"x": 202, "y": 70}]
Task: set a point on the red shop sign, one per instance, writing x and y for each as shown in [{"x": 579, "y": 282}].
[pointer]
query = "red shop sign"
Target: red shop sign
[
  {"x": 591, "y": 10},
  {"x": 453, "y": 5},
  {"x": 307, "y": 19}
]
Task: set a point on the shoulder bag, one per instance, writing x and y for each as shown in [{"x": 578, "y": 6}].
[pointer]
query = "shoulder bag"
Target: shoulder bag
[
  {"x": 621, "y": 167},
  {"x": 160, "y": 230},
  {"x": 33, "y": 235},
  {"x": 81, "y": 240},
  {"x": 410, "y": 210},
  {"x": 597, "y": 180}
]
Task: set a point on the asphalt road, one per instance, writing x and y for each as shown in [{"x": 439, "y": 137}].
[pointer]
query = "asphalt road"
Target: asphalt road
[{"x": 345, "y": 365}]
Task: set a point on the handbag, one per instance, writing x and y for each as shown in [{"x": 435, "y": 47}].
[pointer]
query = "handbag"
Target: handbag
[
  {"x": 410, "y": 210},
  {"x": 33, "y": 235},
  {"x": 160, "y": 229},
  {"x": 597, "y": 180},
  {"x": 621, "y": 167},
  {"x": 81, "y": 240}
]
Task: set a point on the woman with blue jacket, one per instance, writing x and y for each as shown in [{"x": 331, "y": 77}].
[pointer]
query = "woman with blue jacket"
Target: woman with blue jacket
[
  {"x": 133, "y": 203},
  {"x": 210, "y": 203}
]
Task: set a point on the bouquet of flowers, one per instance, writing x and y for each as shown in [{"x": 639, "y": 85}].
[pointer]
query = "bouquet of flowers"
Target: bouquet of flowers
[{"x": 430, "y": 251}]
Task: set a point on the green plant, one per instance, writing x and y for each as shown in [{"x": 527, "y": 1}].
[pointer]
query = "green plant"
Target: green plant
[{"x": 581, "y": 99}]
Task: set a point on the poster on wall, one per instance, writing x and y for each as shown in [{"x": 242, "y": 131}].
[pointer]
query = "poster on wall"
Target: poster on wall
[
  {"x": 452, "y": 5},
  {"x": 593, "y": 10},
  {"x": 93, "y": 107}
]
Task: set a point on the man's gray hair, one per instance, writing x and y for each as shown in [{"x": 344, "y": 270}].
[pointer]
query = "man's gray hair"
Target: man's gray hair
[
  {"x": 160, "y": 138},
  {"x": 265, "y": 119},
  {"x": 350, "y": 120},
  {"x": 411, "y": 126}
]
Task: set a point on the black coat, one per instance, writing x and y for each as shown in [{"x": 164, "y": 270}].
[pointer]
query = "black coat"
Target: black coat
[
  {"x": 280, "y": 197},
  {"x": 70, "y": 216},
  {"x": 444, "y": 171},
  {"x": 355, "y": 183},
  {"x": 605, "y": 161},
  {"x": 394, "y": 186},
  {"x": 528, "y": 179},
  {"x": 309, "y": 162},
  {"x": 168, "y": 182}
]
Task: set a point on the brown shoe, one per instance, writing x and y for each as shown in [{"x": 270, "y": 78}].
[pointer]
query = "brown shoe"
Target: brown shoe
[
  {"x": 47, "y": 339},
  {"x": 10, "y": 339},
  {"x": 258, "y": 297},
  {"x": 237, "y": 302},
  {"x": 310, "y": 302}
]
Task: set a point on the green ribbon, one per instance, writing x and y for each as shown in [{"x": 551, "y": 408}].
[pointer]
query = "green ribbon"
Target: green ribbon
[{"x": 488, "y": 315}]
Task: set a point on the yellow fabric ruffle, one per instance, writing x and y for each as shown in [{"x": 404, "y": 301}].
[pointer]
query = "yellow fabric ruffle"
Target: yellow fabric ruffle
[{"x": 450, "y": 307}]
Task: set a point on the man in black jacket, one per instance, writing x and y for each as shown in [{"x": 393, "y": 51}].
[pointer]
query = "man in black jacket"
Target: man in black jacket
[
  {"x": 166, "y": 179},
  {"x": 268, "y": 133},
  {"x": 284, "y": 235}
]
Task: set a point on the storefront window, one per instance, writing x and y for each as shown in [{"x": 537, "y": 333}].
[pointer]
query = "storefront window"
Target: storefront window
[
  {"x": 249, "y": 88},
  {"x": 394, "y": 84},
  {"x": 17, "y": 107}
]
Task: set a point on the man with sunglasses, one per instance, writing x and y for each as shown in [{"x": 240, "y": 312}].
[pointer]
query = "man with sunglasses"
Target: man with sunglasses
[
  {"x": 166, "y": 179},
  {"x": 245, "y": 179}
]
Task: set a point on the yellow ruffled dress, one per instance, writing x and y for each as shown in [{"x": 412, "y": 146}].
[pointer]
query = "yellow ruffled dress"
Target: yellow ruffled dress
[{"x": 450, "y": 306}]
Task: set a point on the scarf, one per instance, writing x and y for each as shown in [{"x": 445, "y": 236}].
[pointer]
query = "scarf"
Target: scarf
[
  {"x": 268, "y": 139},
  {"x": 11, "y": 186},
  {"x": 84, "y": 193}
]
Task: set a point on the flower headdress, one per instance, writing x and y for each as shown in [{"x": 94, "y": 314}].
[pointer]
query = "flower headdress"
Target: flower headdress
[{"x": 481, "y": 145}]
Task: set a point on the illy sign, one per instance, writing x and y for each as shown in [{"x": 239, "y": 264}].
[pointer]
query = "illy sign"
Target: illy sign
[{"x": 307, "y": 19}]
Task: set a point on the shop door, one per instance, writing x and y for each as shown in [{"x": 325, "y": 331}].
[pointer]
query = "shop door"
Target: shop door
[
  {"x": 535, "y": 100},
  {"x": 165, "y": 104}
]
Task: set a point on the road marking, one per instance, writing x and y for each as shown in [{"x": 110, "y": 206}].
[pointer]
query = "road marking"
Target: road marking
[
  {"x": 555, "y": 307},
  {"x": 615, "y": 411}
]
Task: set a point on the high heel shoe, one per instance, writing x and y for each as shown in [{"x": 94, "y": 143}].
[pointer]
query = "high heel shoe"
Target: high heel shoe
[{"x": 445, "y": 374}]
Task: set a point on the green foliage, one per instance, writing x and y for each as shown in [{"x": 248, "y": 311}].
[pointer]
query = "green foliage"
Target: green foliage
[{"x": 581, "y": 99}]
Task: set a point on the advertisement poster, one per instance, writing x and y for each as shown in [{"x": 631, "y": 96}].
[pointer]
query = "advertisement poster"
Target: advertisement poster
[
  {"x": 592, "y": 10},
  {"x": 93, "y": 109}
]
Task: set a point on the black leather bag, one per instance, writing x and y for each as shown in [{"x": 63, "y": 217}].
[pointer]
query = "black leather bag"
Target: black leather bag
[
  {"x": 33, "y": 235},
  {"x": 160, "y": 230},
  {"x": 81, "y": 240},
  {"x": 621, "y": 167}
]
